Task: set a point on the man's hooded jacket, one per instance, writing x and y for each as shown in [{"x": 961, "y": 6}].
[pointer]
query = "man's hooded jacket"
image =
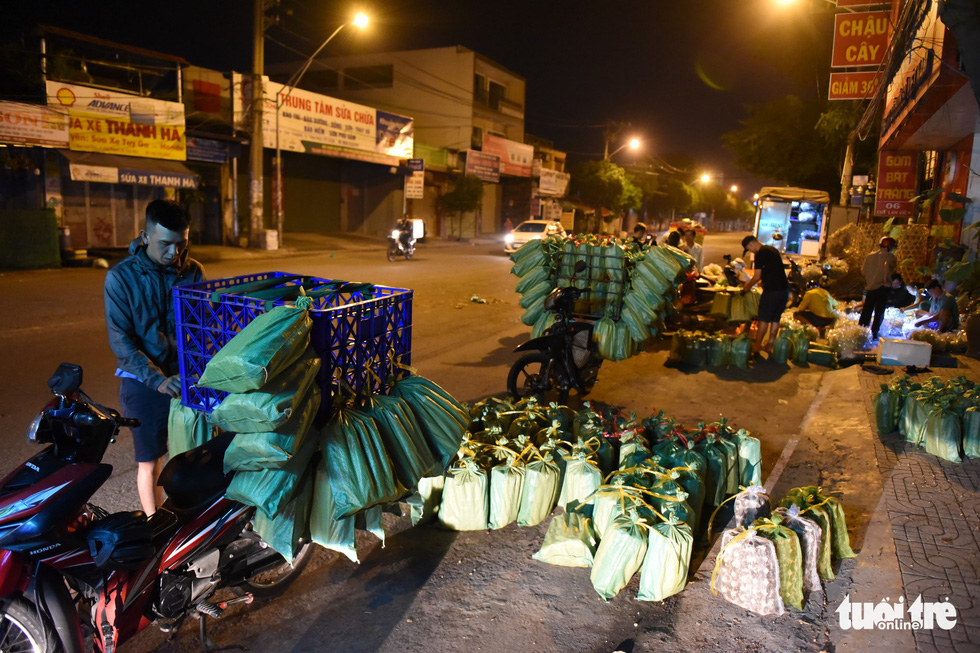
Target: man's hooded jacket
[{"x": 139, "y": 312}]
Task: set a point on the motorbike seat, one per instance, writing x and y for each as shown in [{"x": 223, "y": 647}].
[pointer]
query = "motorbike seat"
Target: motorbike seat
[{"x": 197, "y": 476}]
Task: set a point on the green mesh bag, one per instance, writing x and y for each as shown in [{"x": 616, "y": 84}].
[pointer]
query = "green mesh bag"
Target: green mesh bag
[
  {"x": 506, "y": 487},
  {"x": 942, "y": 433},
  {"x": 541, "y": 487},
  {"x": 790, "y": 557},
  {"x": 741, "y": 350},
  {"x": 325, "y": 529},
  {"x": 621, "y": 552},
  {"x": 260, "y": 411},
  {"x": 286, "y": 531},
  {"x": 782, "y": 349},
  {"x": 569, "y": 542},
  {"x": 887, "y": 407},
  {"x": 582, "y": 477},
  {"x": 749, "y": 459},
  {"x": 187, "y": 428},
  {"x": 403, "y": 439},
  {"x": 667, "y": 561},
  {"x": 267, "y": 346},
  {"x": 971, "y": 432},
  {"x": 465, "y": 498}
]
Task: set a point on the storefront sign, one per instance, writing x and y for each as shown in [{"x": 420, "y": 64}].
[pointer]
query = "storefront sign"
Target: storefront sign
[
  {"x": 317, "y": 124},
  {"x": 30, "y": 124},
  {"x": 515, "y": 158},
  {"x": 415, "y": 182},
  {"x": 853, "y": 86},
  {"x": 111, "y": 175},
  {"x": 483, "y": 166},
  {"x": 209, "y": 150},
  {"x": 553, "y": 183},
  {"x": 117, "y": 123},
  {"x": 860, "y": 39},
  {"x": 896, "y": 184},
  {"x": 856, "y": 3}
]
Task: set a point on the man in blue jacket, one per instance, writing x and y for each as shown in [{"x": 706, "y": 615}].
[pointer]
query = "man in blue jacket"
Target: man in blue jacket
[{"x": 139, "y": 315}]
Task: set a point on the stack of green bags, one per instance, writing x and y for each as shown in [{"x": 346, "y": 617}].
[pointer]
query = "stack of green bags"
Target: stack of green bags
[
  {"x": 699, "y": 349},
  {"x": 942, "y": 416},
  {"x": 630, "y": 286}
]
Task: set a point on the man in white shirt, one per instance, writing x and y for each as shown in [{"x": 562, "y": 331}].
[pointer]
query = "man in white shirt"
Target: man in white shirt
[{"x": 692, "y": 248}]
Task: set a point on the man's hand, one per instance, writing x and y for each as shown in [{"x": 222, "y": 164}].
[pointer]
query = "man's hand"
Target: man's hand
[{"x": 170, "y": 386}]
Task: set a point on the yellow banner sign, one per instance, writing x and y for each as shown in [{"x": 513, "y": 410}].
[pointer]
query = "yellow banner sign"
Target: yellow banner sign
[{"x": 117, "y": 123}]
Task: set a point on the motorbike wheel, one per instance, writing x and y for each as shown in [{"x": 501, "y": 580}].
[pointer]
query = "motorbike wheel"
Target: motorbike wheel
[
  {"x": 274, "y": 582},
  {"x": 408, "y": 254},
  {"x": 532, "y": 375},
  {"x": 392, "y": 253},
  {"x": 22, "y": 629}
]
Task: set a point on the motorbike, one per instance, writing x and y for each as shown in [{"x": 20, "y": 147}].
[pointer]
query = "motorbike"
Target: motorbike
[
  {"x": 69, "y": 570},
  {"x": 401, "y": 244},
  {"x": 564, "y": 358}
]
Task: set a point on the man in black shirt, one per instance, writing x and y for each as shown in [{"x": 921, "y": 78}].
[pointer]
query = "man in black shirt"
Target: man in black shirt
[{"x": 775, "y": 289}]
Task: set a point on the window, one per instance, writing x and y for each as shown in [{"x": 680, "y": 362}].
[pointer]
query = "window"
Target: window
[
  {"x": 476, "y": 141},
  {"x": 321, "y": 80},
  {"x": 928, "y": 163},
  {"x": 365, "y": 77},
  {"x": 495, "y": 95},
  {"x": 531, "y": 227},
  {"x": 479, "y": 89}
]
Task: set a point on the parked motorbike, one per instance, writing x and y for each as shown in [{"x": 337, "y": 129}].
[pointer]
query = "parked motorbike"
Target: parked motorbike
[
  {"x": 69, "y": 570},
  {"x": 401, "y": 244},
  {"x": 564, "y": 358}
]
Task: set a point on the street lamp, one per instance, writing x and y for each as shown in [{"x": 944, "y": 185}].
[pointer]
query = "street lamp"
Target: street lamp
[
  {"x": 734, "y": 188},
  {"x": 705, "y": 178},
  {"x": 360, "y": 21},
  {"x": 633, "y": 144}
]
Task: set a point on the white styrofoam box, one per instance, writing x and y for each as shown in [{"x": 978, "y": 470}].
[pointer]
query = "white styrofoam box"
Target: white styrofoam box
[{"x": 894, "y": 351}]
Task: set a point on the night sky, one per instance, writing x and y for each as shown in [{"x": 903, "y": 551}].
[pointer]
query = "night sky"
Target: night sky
[{"x": 679, "y": 70}]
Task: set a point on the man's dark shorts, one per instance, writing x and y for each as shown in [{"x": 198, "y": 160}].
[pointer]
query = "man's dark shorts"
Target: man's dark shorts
[
  {"x": 152, "y": 409},
  {"x": 815, "y": 319},
  {"x": 772, "y": 304}
]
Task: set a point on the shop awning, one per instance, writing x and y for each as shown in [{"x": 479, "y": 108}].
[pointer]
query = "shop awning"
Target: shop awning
[{"x": 116, "y": 169}]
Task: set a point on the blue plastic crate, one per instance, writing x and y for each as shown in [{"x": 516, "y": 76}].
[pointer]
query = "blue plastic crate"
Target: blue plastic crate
[{"x": 353, "y": 332}]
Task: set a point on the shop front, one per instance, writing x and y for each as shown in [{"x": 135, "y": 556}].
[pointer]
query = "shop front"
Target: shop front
[{"x": 792, "y": 219}]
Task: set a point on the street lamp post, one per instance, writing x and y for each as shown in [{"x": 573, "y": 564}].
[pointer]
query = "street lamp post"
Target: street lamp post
[
  {"x": 361, "y": 21},
  {"x": 633, "y": 144}
]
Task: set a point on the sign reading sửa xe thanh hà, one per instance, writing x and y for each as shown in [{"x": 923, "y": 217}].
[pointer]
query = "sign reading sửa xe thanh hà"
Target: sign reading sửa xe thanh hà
[
  {"x": 112, "y": 122},
  {"x": 318, "y": 124}
]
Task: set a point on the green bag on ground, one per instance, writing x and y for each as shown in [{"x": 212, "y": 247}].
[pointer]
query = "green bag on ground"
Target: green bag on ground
[
  {"x": 541, "y": 487},
  {"x": 887, "y": 406},
  {"x": 269, "y": 489},
  {"x": 741, "y": 350},
  {"x": 971, "y": 432},
  {"x": 607, "y": 506},
  {"x": 721, "y": 355},
  {"x": 621, "y": 552},
  {"x": 782, "y": 349},
  {"x": 582, "y": 477},
  {"x": 260, "y": 411},
  {"x": 822, "y": 357},
  {"x": 691, "y": 482},
  {"x": 715, "y": 481},
  {"x": 913, "y": 417},
  {"x": 267, "y": 346},
  {"x": 424, "y": 504},
  {"x": 403, "y": 439},
  {"x": 667, "y": 561},
  {"x": 677, "y": 509},
  {"x": 569, "y": 542},
  {"x": 360, "y": 470},
  {"x": 255, "y": 451},
  {"x": 820, "y": 514},
  {"x": 325, "y": 529},
  {"x": 943, "y": 434},
  {"x": 187, "y": 428},
  {"x": 506, "y": 487},
  {"x": 286, "y": 530},
  {"x": 841, "y": 540},
  {"x": 465, "y": 499},
  {"x": 749, "y": 459},
  {"x": 801, "y": 345},
  {"x": 790, "y": 557}
]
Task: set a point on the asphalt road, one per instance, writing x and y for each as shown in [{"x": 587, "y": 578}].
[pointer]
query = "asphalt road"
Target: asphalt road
[{"x": 417, "y": 593}]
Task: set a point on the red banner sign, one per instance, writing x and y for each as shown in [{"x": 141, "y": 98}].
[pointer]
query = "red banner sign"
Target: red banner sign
[
  {"x": 896, "y": 183},
  {"x": 853, "y": 86},
  {"x": 860, "y": 39}
]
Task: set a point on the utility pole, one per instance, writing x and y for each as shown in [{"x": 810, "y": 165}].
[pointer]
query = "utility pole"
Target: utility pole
[{"x": 256, "y": 151}]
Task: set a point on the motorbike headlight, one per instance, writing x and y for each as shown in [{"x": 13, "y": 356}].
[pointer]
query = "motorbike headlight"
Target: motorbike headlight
[
  {"x": 509, "y": 238},
  {"x": 33, "y": 428},
  {"x": 394, "y": 234}
]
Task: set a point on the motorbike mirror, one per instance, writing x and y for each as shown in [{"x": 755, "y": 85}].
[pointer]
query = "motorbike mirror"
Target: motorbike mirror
[
  {"x": 580, "y": 267},
  {"x": 66, "y": 379}
]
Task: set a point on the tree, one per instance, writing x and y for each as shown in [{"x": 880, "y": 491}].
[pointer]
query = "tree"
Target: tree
[
  {"x": 466, "y": 195},
  {"x": 603, "y": 184},
  {"x": 800, "y": 142}
]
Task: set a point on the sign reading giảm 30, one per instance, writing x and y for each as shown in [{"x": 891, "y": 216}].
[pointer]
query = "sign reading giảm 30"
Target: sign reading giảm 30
[
  {"x": 111, "y": 122},
  {"x": 318, "y": 124}
]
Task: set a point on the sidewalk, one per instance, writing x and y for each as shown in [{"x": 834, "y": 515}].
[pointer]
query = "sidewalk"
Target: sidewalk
[{"x": 933, "y": 510}]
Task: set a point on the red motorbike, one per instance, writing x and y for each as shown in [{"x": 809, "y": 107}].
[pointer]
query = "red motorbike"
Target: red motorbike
[{"x": 69, "y": 570}]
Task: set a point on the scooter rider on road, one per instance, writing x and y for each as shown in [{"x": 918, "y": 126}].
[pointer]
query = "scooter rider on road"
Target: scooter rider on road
[{"x": 405, "y": 229}]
